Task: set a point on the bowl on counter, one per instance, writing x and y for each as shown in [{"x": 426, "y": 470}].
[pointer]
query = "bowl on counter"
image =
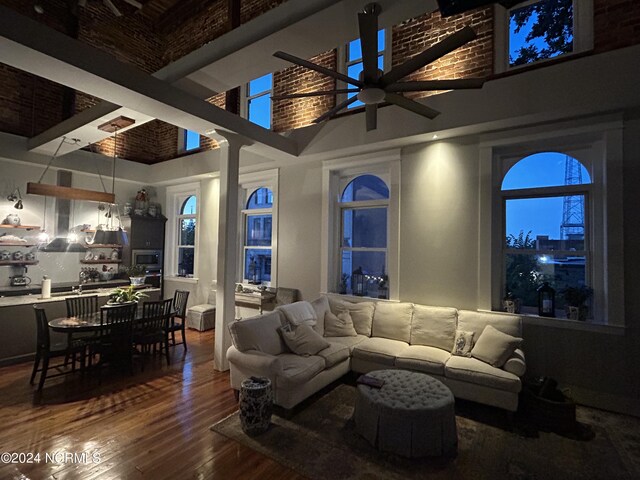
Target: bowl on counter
[{"x": 106, "y": 276}]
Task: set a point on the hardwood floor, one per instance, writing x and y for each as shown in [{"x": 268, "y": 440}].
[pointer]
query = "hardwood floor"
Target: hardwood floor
[{"x": 154, "y": 424}]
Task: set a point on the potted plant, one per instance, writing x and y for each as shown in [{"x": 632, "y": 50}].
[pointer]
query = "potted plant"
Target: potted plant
[
  {"x": 575, "y": 300},
  {"x": 383, "y": 286},
  {"x": 510, "y": 302},
  {"x": 125, "y": 295},
  {"x": 344, "y": 278},
  {"x": 136, "y": 274}
]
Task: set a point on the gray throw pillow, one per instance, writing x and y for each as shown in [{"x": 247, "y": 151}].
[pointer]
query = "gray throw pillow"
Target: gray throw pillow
[
  {"x": 339, "y": 326},
  {"x": 302, "y": 339}
]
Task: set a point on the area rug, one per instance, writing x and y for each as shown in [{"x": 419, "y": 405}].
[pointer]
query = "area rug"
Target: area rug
[{"x": 319, "y": 442}]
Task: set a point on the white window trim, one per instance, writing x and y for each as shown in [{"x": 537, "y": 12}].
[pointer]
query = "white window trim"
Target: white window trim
[
  {"x": 244, "y": 100},
  {"x": 384, "y": 164},
  {"x": 582, "y": 34},
  {"x": 175, "y": 196},
  {"x": 249, "y": 183},
  {"x": 342, "y": 63},
  {"x": 603, "y": 138}
]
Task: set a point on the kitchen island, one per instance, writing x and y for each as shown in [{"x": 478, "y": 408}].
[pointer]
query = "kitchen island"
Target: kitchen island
[{"x": 17, "y": 321}]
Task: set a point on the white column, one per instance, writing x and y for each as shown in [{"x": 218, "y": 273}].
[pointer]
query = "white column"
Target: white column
[{"x": 230, "y": 146}]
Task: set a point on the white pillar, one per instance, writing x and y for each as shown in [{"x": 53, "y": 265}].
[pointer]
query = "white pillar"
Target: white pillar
[{"x": 230, "y": 147}]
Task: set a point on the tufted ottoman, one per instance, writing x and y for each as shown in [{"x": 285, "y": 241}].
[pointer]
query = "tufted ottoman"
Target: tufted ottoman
[{"x": 411, "y": 415}]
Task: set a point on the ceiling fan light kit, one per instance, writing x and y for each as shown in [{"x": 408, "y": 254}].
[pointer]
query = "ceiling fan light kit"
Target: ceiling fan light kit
[{"x": 374, "y": 86}]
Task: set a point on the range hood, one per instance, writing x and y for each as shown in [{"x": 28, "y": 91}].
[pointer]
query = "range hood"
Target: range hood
[{"x": 61, "y": 243}]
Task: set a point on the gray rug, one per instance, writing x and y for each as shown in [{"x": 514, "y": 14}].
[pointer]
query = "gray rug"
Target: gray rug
[{"x": 319, "y": 442}]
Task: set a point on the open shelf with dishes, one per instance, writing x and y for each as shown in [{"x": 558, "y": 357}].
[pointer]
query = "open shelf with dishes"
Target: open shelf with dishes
[
  {"x": 23, "y": 227},
  {"x": 103, "y": 245},
  {"x": 17, "y": 244},
  {"x": 18, "y": 262}
]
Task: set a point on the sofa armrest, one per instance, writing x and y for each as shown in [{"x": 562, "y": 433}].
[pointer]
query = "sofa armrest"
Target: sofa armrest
[
  {"x": 516, "y": 363},
  {"x": 259, "y": 363}
]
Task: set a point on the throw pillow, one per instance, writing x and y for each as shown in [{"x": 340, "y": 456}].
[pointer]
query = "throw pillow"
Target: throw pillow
[
  {"x": 462, "y": 343},
  {"x": 361, "y": 314},
  {"x": 302, "y": 339},
  {"x": 494, "y": 347},
  {"x": 339, "y": 326},
  {"x": 299, "y": 313},
  {"x": 321, "y": 307}
]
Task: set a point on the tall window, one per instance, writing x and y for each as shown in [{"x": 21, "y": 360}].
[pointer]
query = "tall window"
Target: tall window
[
  {"x": 546, "y": 227},
  {"x": 186, "y": 237},
  {"x": 191, "y": 140},
  {"x": 363, "y": 251},
  {"x": 353, "y": 61},
  {"x": 257, "y": 216},
  {"x": 538, "y": 30},
  {"x": 258, "y": 100}
]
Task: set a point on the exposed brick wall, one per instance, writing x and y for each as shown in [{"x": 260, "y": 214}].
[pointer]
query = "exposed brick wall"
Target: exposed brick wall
[
  {"x": 251, "y": 9},
  {"x": 475, "y": 59},
  {"x": 299, "y": 112},
  {"x": 616, "y": 24}
]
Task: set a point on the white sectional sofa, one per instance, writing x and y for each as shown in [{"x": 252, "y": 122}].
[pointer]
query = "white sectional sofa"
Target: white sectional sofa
[{"x": 387, "y": 335}]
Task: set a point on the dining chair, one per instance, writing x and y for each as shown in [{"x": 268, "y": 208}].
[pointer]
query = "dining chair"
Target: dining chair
[
  {"x": 79, "y": 306},
  {"x": 151, "y": 329},
  {"x": 45, "y": 350},
  {"x": 115, "y": 345},
  {"x": 179, "y": 311}
]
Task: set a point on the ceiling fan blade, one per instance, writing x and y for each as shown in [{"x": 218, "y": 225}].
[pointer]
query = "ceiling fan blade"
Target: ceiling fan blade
[
  {"x": 336, "y": 109},
  {"x": 314, "y": 94},
  {"x": 411, "y": 105},
  {"x": 432, "y": 54},
  {"x": 109, "y": 4},
  {"x": 371, "y": 111},
  {"x": 462, "y": 83},
  {"x": 368, "y": 25},
  {"x": 317, "y": 68}
]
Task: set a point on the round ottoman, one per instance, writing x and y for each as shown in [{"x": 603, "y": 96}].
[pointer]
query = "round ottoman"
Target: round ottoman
[
  {"x": 256, "y": 405},
  {"x": 411, "y": 415}
]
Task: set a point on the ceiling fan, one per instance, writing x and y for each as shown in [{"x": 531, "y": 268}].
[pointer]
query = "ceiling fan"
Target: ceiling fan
[
  {"x": 111, "y": 6},
  {"x": 374, "y": 86}
]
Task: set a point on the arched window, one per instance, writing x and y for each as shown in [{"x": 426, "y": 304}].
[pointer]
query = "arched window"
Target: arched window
[
  {"x": 258, "y": 233},
  {"x": 546, "y": 227},
  {"x": 364, "y": 203},
  {"x": 187, "y": 236}
]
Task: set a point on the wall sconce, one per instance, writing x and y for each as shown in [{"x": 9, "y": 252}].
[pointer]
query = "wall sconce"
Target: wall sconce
[{"x": 16, "y": 197}]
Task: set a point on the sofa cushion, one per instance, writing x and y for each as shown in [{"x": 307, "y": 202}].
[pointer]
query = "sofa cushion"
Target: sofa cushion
[
  {"x": 516, "y": 363},
  {"x": 334, "y": 353},
  {"x": 339, "y": 326},
  {"x": 463, "y": 343},
  {"x": 350, "y": 342},
  {"x": 423, "y": 359},
  {"x": 494, "y": 347},
  {"x": 361, "y": 314},
  {"x": 379, "y": 350},
  {"x": 302, "y": 339},
  {"x": 472, "y": 370},
  {"x": 392, "y": 320},
  {"x": 321, "y": 307},
  {"x": 259, "y": 333},
  {"x": 476, "y": 321},
  {"x": 299, "y": 313},
  {"x": 433, "y": 326},
  {"x": 297, "y": 369}
]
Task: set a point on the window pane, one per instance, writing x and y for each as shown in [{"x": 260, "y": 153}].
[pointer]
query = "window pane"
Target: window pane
[
  {"x": 261, "y": 198},
  {"x": 541, "y": 30},
  {"x": 355, "y": 50},
  {"x": 260, "y": 111},
  {"x": 548, "y": 169},
  {"x": 365, "y": 227},
  {"x": 365, "y": 187},
  {"x": 524, "y": 273},
  {"x": 258, "y": 230},
  {"x": 191, "y": 140},
  {"x": 188, "y": 231},
  {"x": 260, "y": 85},
  {"x": 353, "y": 71},
  {"x": 189, "y": 206},
  {"x": 185, "y": 261},
  {"x": 372, "y": 265},
  {"x": 548, "y": 223},
  {"x": 381, "y": 40},
  {"x": 257, "y": 264}
]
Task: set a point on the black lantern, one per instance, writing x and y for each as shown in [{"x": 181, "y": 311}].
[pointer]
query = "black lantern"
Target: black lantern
[
  {"x": 546, "y": 300},
  {"x": 255, "y": 276},
  {"x": 358, "y": 283}
]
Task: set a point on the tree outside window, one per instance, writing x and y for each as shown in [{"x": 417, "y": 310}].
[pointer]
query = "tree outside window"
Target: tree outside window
[{"x": 187, "y": 237}]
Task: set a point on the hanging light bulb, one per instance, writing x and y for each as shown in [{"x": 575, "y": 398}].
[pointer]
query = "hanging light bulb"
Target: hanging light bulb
[{"x": 43, "y": 237}]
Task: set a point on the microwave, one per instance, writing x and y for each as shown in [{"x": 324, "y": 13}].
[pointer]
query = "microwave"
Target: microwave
[{"x": 152, "y": 259}]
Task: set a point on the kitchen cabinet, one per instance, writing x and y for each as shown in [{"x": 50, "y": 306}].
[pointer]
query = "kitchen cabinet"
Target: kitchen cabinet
[{"x": 145, "y": 233}]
